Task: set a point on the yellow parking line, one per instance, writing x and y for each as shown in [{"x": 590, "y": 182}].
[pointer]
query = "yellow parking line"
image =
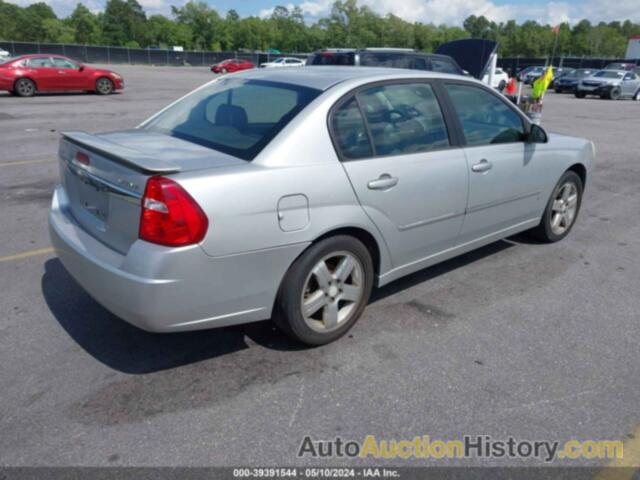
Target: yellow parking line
[
  {"x": 24, "y": 162},
  {"x": 628, "y": 465},
  {"x": 30, "y": 253}
]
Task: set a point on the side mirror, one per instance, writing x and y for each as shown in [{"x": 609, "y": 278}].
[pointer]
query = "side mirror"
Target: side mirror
[
  {"x": 81, "y": 68},
  {"x": 537, "y": 134}
]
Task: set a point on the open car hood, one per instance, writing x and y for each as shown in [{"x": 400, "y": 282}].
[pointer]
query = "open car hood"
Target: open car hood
[{"x": 472, "y": 54}]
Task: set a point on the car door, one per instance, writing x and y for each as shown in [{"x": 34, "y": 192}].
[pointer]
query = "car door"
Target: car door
[
  {"x": 504, "y": 176},
  {"x": 408, "y": 175},
  {"x": 42, "y": 71},
  {"x": 629, "y": 84},
  {"x": 69, "y": 76}
]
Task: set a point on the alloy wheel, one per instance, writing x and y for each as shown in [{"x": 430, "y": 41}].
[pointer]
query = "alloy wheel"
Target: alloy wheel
[
  {"x": 104, "y": 86},
  {"x": 25, "y": 88},
  {"x": 332, "y": 291},
  {"x": 564, "y": 208}
]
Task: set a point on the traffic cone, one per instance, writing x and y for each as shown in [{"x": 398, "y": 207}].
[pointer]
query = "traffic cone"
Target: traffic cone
[{"x": 511, "y": 86}]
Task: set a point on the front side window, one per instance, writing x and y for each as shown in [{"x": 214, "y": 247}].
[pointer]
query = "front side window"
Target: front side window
[
  {"x": 232, "y": 115},
  {"x": 39, "y": 62},
  {"x": 63, "y": 63},
  {"x": 403, "y": 118},
  {"x": 485, "y": 119}
]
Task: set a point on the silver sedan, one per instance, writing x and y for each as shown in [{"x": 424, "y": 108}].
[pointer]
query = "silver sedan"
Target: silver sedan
[{"x": 291, "y": 193}]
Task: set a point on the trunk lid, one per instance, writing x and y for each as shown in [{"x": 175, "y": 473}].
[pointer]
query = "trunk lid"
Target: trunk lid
[{"x": 105, "y": 185}]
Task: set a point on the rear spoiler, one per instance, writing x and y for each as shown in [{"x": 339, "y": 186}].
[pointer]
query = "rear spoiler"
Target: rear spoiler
[{"x": 120, "y": 154}]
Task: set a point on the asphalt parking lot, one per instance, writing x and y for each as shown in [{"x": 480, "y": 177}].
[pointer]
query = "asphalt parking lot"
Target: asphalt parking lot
[{"x": 516, "y": 339}]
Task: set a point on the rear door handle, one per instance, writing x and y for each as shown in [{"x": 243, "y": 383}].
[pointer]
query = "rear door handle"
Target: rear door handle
[
  {"x": 385, "y": 182},
  {"x": 483, "y": 166}
]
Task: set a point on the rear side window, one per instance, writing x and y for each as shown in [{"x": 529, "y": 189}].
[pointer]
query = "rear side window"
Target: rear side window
[
  {"x": 385, "y": 59},
  {"x": 234, "y": 116},
  {"x": 485, "y": 119},
  {"x": 443, "y": 66},
  {"x": 349, "y": 131},
  {"x": 332, "y": 58},
  {"x": 40, "y": 62},
  {"x": 403, "y": 118}
]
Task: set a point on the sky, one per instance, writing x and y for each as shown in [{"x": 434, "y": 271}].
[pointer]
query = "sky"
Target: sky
[{"x": 450, "y": 12}]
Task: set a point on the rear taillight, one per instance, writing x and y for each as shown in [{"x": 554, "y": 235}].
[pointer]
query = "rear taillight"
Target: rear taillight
[{"x": 170, "y": 216}]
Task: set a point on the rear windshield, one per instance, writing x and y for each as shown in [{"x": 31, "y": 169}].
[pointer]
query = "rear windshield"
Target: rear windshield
[
  {"x": 331, "y": 58},
  {"x": 234, "y": 115},
  {"x": 385, "y": 59},
  {"x": 605, "y": 74}
]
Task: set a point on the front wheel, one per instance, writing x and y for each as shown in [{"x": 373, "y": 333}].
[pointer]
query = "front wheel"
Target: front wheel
[
  {"x": 562, "y": 209},
  {"x": 615, "y": 93},
  {"x": 104, "y": 86},
  {"x": 636, "y": 97},
  {"x": 325, "y": 291}
]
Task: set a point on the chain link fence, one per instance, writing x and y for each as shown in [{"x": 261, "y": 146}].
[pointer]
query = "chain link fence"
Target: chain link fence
[
  {"x": 139, "y": 56},
  {"x": 152, "y": 56},
  {"x": 513, "y": 65}
]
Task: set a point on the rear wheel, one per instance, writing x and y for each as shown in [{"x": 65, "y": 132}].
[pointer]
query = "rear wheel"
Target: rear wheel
[
  {"x": 24, "y": 87},
  {"x": 104, "y": 86},
  {"x": 562, "y": 209},
  {"x": 325, "y": 291}
]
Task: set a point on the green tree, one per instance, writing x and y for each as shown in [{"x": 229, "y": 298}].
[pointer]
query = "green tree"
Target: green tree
[
  {"x": 86, "y": 25},
  {"x": 123, "y": 21}
]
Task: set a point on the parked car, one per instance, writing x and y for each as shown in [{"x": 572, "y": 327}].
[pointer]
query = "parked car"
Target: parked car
[
  {"x": 569, "y": 82},
  {"x": 232, "y": 65},
  {"x": 528, "y": 74},
  {"x": 611, "y": 84},
  {"x": 4, "y": 55},
  {"x": 500, "y": 79},
  {"x": 620, "y": 66},
  {"x": 284, "y": 62},
  {"x": 385, "y": 57},
  {"x": 29, "y": 74},
  {"x": 207, "y": 214}
]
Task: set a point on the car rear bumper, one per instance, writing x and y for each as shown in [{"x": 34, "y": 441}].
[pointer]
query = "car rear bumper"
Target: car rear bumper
[{"x": 163, "y": 289}]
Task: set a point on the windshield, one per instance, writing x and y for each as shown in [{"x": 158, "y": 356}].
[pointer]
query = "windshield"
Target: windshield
[
  {"x": 606, "y": 74},
  {"x": 233, "y": 115}
]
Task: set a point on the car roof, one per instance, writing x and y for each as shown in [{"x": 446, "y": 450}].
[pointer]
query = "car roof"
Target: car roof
[{"x": 324, "y": 77}]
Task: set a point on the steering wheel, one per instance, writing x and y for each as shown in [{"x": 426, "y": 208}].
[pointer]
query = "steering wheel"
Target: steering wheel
[{"x": 396, "y": 116}]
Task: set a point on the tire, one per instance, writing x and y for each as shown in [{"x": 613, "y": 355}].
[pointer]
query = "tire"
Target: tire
[
  {"x": 502, "y": 85},
  {"x": 558, "y": 90},
  {"x": 550, "y": 228},
  {"x": 614, "y": 93},
  {"x": 604, "y": 95},
  {"x": 580, "y": 94},
  {"x": 636, "y": 97},
  {"x": 24, "y": 87},
  {"x": 224, "y": 71},
  {"x": 104, "y": 86},
  {"x": 315, "y": 276}
]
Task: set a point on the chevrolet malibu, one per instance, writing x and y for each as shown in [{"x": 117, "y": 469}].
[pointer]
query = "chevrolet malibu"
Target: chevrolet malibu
[
  {"x": 27, "y": 75},
  {"x": 291, "y": 193}
]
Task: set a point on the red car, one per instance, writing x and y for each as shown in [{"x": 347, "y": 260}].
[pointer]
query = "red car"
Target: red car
[
  {"x": 29, "y": 74},
  {"x": 232, "y": 65}
]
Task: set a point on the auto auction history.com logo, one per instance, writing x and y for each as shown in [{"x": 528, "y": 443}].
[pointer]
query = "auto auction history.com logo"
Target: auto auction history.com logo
[{"x": 469, "y": 446}]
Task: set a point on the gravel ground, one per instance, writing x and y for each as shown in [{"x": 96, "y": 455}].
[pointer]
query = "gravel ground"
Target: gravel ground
[{"x": 515, "y": 339}]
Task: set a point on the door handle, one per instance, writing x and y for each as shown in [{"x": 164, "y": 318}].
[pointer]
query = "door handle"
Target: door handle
[
  {"x": 483, "y": 166},
  {"x": 385, "y": 182}
]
